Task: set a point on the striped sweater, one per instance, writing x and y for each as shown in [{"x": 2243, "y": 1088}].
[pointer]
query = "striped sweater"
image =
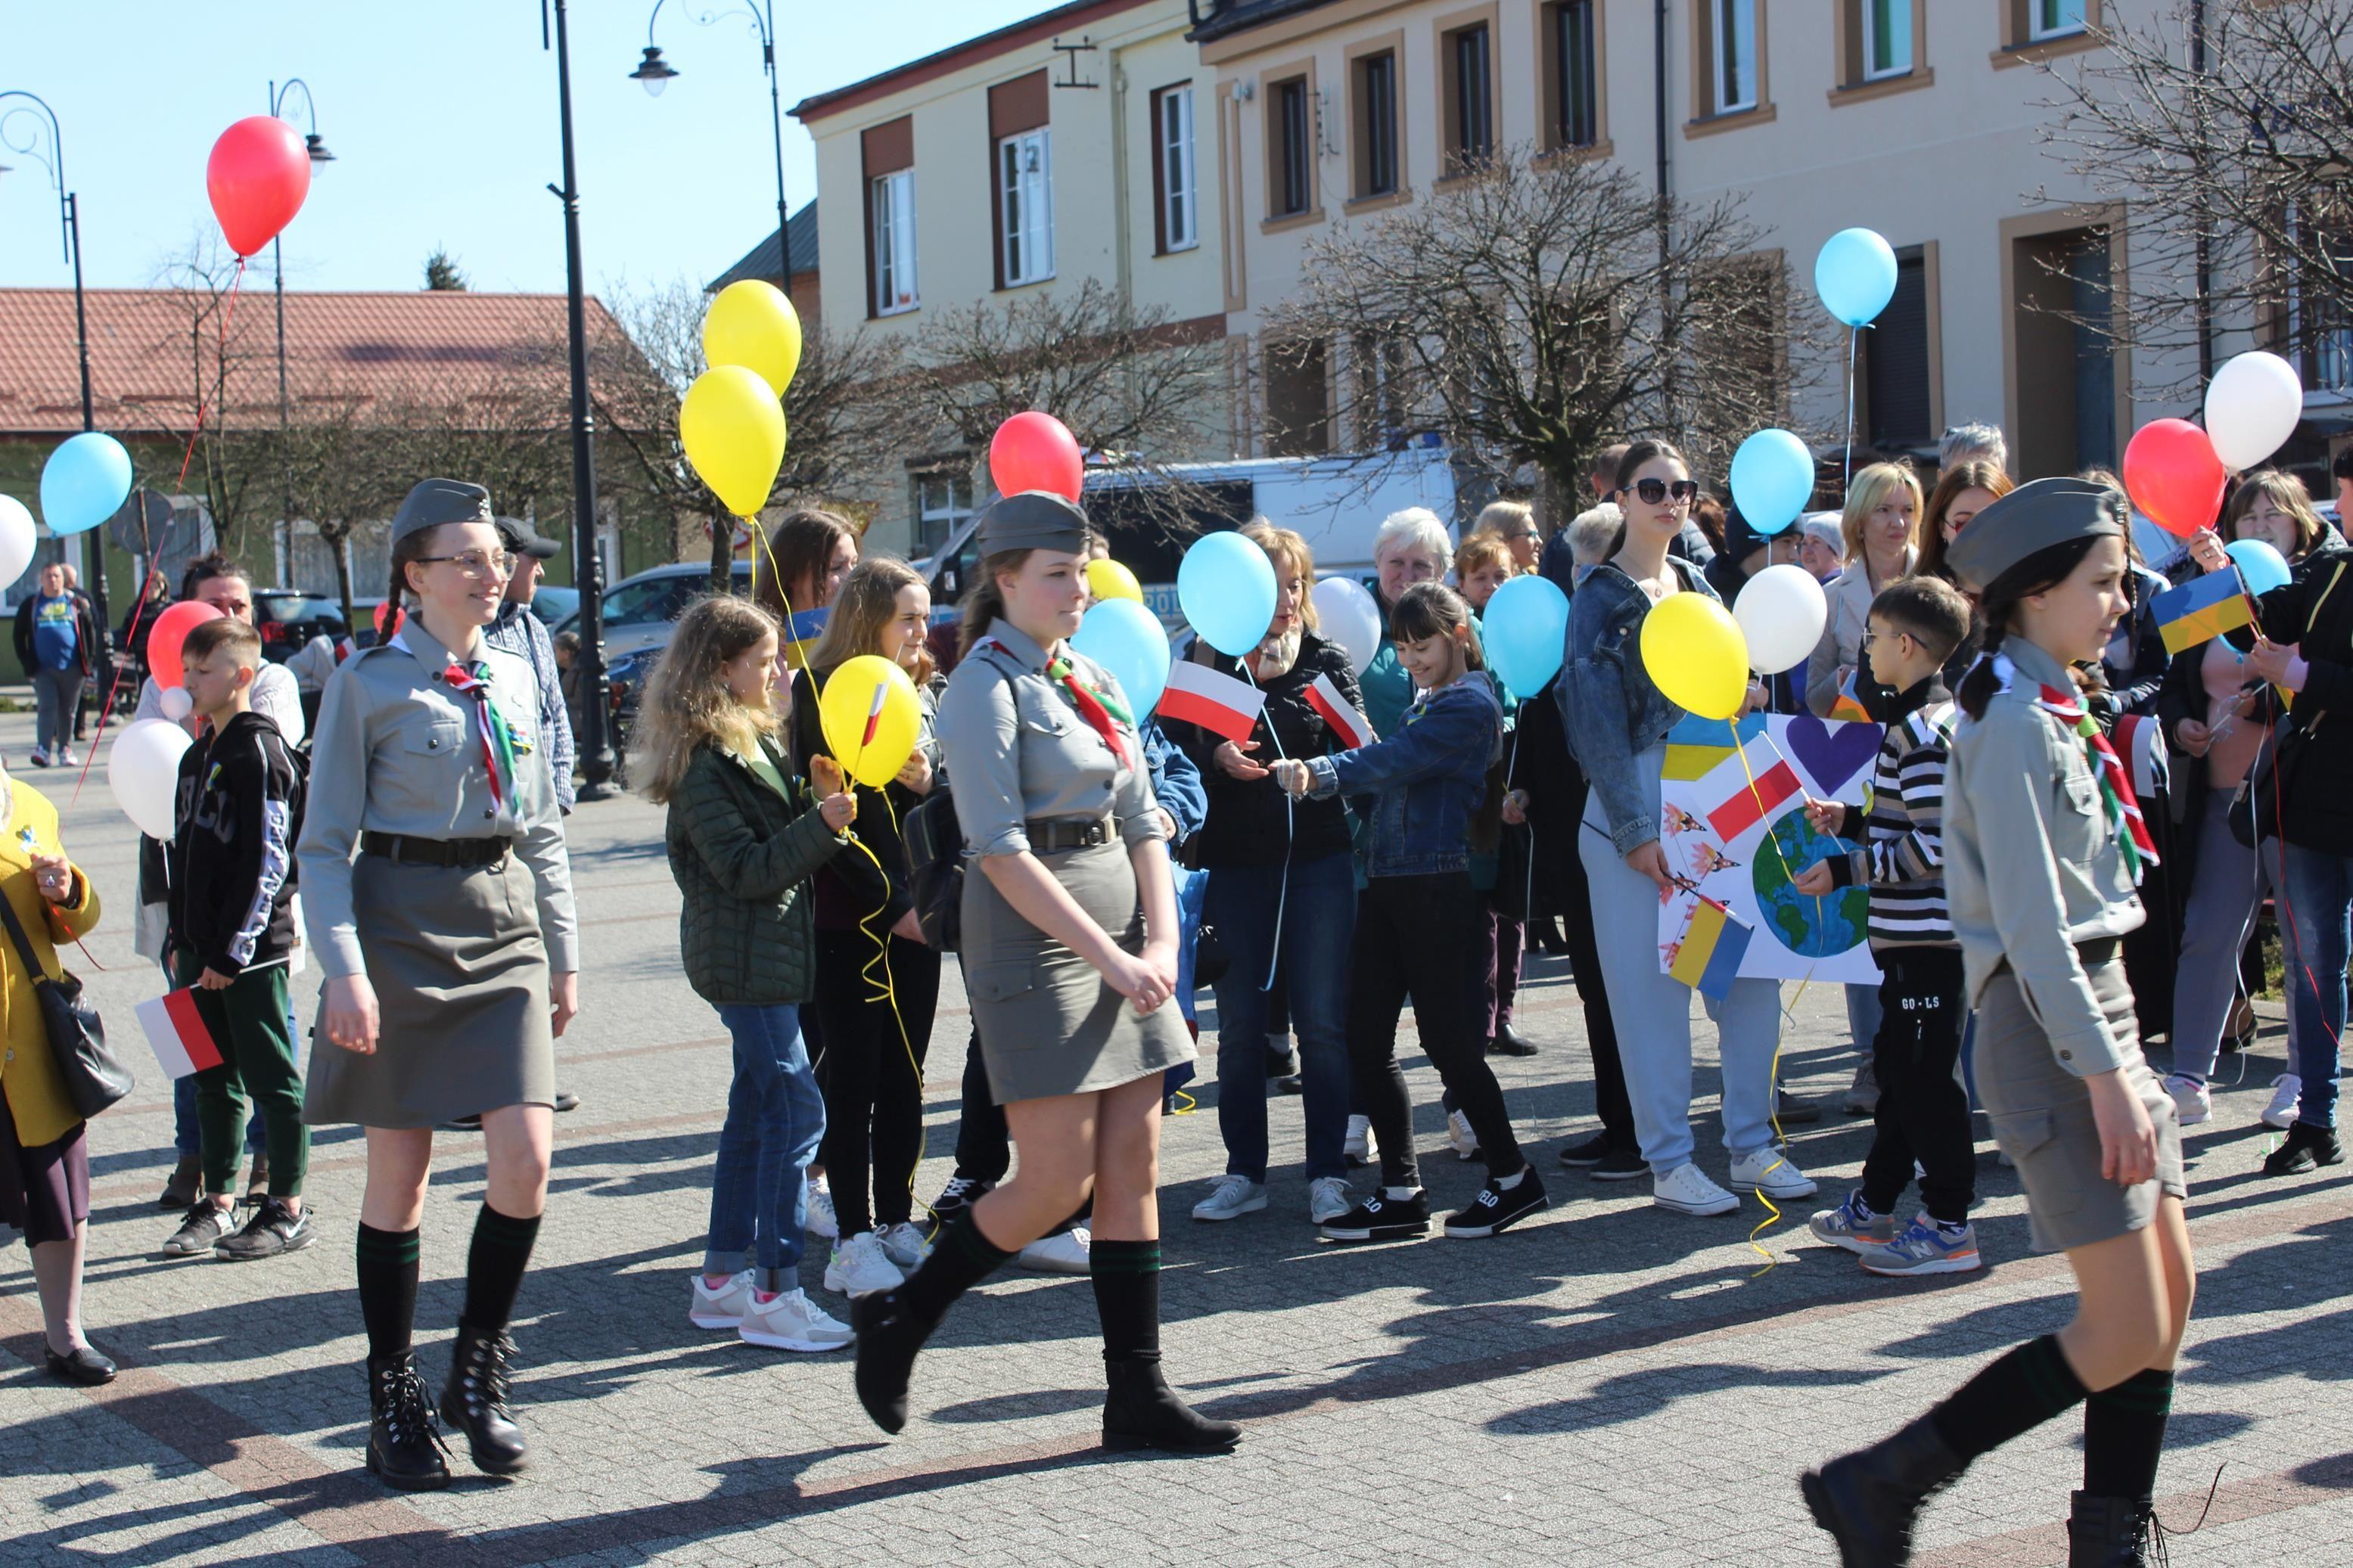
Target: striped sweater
[{"x": 1903, "y": 853}]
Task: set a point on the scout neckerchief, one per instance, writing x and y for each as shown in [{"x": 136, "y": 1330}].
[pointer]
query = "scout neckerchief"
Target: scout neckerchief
[
  {"x": 498, "y": 742},
  {"x": 1099, "y": 707},
  {"x": 2117, "y": 797}
]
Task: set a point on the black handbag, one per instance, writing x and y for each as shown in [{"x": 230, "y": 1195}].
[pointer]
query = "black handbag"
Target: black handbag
[
  {"x": 934, "y": 841},
  {"x": 94, "y": 1077}
]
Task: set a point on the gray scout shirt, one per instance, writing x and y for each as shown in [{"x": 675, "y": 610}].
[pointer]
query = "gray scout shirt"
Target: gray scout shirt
[
  {"x": 398, "y": 751},
  {"x": 1019, "y": 750}
]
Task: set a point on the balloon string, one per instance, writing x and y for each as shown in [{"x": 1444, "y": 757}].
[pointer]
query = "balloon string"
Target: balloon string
[
  {"x": 114, "y": 685},
  {"x": 1854, "y": 336},
  {"x": 1290, "y": 828}
]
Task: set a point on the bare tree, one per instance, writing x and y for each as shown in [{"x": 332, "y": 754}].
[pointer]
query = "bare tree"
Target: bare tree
[
  {"x": 217, "y": 347},
  {"x": 1537, "y": 313},
  {"x": 2234, "y": 151}
]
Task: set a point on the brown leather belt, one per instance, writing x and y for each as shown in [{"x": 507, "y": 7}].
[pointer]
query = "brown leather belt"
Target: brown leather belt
[
  {"x": 403, "y": 849},
  {"x": 1048, "y": 834}
]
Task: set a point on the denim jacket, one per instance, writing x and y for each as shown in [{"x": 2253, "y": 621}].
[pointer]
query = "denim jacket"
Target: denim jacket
[
  {"x": 1428, "y": 778},
  {"x": 1608, "y": 704}
]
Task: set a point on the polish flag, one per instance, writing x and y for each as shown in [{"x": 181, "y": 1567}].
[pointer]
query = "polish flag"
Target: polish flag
[
  {"x": 1754, "y": 802},
  {"x": 1219, "y": 703},
  {"x": 1353, "y": 728},
  {"x": 177, "y": 1034}
]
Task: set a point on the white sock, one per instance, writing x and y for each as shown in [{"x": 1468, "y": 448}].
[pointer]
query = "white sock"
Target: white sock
[
  {"x": 1508, "y": 1183},
  {"x": 1399, "y": 1193}
]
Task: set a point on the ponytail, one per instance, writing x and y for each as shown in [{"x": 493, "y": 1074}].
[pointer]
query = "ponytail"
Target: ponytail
[
  {"x": 1979, "y": 686},
  {"x": 984, "y": 601},
  {"x": 2036, "y": 574}
]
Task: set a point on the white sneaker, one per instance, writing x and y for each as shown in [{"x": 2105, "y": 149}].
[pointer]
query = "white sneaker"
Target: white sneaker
[
  {"x": 905, "y": 1245},
  {"x": 859, "y": 1267},
  {"x": 1327, "y": 1199},
  {"x": 2281, "y": 1112},
  {"x": 1687, "y": 1190},
  {"x": 724, "y": 1308},
  {"x": 1459, "y": 1136},
  {"x": 1768, "y": 1171},
  {"x": 1361, "y": 1147},
  {"x": 821, "y": 1220},
  {"x": 1065, "y": 1252},
  {"x": 1231, "y": 1198},
  {"x": 791, "y": 1322},
  {"x": 66, "y": 758},
  {"x": 2192, "y": 1099}
]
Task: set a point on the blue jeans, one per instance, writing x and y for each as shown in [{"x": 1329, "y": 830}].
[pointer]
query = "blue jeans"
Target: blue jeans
[
  {"x": 1318, "y": 917},
  {"x": 2320, "y": 896},
  {"x": 184, "y": 1105},
  {"x": 776, "y": 1119}
]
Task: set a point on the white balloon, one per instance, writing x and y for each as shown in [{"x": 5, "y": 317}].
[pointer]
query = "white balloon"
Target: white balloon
[
  {"x": 143, "y": 772},
  {"x": 1347, "y": 615},
  {"x": 175, "y": 702},
  {"x": 2252, "y": 408},
  {"x": 1781, "y": 612},
  {"x": 17, "y": 540}
]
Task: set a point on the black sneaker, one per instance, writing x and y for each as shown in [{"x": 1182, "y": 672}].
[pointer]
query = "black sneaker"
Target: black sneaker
[
  {"x": 1294, "y": 1084},
  {"x": 1382, "y": 1218},
  {"x": 1791, "y": 1112},
  {"x": 1586, "y": 1153},
  {"x": 2305, "y": 1148},
  {"x": 274, "y": 1228},
  {"x": 566, "y": 1101},
  {"x": 1621, "y": 1165},
  {"x": 207, "y": 1223},
  {"x": 961, "y": 1193},
  {"x": 1497, "y": 1208}
]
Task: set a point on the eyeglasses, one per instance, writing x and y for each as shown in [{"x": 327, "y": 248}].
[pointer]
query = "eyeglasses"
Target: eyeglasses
[
  {"x": 474, "y": 564},
  {"x": 1653, "y": 491}
]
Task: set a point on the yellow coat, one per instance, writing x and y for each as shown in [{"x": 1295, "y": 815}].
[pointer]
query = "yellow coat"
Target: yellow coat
[{"x": 29, "y": 1073}]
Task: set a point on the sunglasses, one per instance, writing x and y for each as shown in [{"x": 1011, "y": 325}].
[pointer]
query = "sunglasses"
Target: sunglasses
[{"x": 1653, "y": 491}]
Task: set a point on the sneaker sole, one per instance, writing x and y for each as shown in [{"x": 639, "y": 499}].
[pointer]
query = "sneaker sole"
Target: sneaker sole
[
  {"x": 1697, "y": 1211},
  {"x": 1378, "y": 1233},
  {"x": 1862, "y": 1247},
  {"x": 710, "y": 1321},
  {"x": 1502, "y": 1224},
  {"x": 1960, "y": 1263},
  {"x": 834, "y": 1283},
  {"x": 2282, "y": 1121},
  {"x": 1054, "y": 1266},
  {"x": 785, "y": 1342},
  {"x": 1582, "y": 1162},
  {"x": 1466, "y": 1155},
  {"x": 1248, "y": 1205},
  {"x": 1778, "y": 1194},
  {"x": 293, "y": 1244}
]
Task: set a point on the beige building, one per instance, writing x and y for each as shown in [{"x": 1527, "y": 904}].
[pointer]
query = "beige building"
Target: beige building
[
  {"x": 1073, "y": 146},
  {"x": 1921, "y": 122}
]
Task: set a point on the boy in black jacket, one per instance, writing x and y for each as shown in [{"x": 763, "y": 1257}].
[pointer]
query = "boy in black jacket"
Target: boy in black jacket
[{"x": 239, "y": 805}]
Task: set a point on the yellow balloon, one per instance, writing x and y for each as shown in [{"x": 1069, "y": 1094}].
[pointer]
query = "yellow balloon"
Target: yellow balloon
[
  {"x": 1695, "y": 656},
  {"x": 751, "y": 323},
  {"x": 870, "y": 718},
  {"x": 1107, "y": 579},
  {"x": 733, "y": 429}
]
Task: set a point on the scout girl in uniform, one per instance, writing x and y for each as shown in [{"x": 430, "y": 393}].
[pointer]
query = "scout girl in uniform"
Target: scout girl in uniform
[{"x": 451, "y": 957}]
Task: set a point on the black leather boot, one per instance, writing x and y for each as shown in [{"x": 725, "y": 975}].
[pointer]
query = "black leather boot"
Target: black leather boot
[
  {"x": 1144, "y": 1412},
  {"x": 475, "y": 1401},
  {"x": 1869, "y": 1498},
  {"x": 2108, "y": 1531},
  {"x": 890, "y": 1333},
  {"x": 405, "y": 1448}
]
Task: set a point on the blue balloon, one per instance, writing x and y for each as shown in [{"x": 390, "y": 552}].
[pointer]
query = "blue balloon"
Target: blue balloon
[
  {"x": 1226, "y": 586},
  {"x": 2261, "y": 567},
  {"x": 85, "y": 481},
  {"x": 1855, "y": 276},
  {"x": 1524, "y": 631},
  {"x": 1126, "y": 639},
  {"x": 1772, "y": 481}
]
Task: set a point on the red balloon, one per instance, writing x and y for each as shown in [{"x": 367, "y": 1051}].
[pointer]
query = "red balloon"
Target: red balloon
[
  {"x": 2172, "y": 474},
  {"x": 258, "y": 176},
  {"x": 172, "y": 629},
  {"x": 1036, "y": 452}
]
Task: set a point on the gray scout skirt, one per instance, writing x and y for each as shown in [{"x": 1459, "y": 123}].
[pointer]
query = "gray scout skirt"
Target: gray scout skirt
[
  {"x": 1049, "y": 1023},
  {"x": 460, "y": 975},
  {"x": 2042, "y": 1116}
]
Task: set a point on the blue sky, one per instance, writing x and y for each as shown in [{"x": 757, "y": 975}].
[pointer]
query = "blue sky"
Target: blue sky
[{"x": 442, "y": 117}]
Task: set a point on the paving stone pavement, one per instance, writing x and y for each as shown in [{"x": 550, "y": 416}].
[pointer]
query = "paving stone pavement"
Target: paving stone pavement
[{"x": 1609, "y": 1384}]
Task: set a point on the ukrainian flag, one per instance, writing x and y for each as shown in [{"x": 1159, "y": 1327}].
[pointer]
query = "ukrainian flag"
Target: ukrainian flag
[
  {"x": 2201, "y": 611},
  {"x": 1708, "y": 958}
]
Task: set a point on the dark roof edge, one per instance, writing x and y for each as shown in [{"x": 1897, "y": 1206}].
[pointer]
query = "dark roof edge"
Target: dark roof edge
[
  {"x": 1239, "y": 15},
  {"x": 820, "y": 104}
]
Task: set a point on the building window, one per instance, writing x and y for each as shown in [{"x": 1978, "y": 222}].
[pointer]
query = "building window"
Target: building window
[
  {"x": 1577, "y": 118},
  {"x": 1469, "y": 98},
  {"x": 943, "y": 501},
  {"x": 1897, "y": 371},
  {"x": 1887, "y": 38},
  {"x": 1290, "y": 145},
  {"x": 1025, "y": 171},
  {"x": 1734, "y": 43},
  {"x": 2054, "y": 19},
  {"x": 1174, "y": 189},
  {"x": 1298, "y": 400},
  {"x": 894, "y": 242},
  {"x": 1376, "y": 124}
]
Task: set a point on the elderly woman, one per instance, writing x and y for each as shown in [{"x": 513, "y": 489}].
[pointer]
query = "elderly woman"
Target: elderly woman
[
  {"x": 1410, "y": 548},
  {"x": 44, "y": 1161}
]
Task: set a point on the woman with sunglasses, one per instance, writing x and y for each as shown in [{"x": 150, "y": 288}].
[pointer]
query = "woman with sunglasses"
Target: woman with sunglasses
[{"x": 1617, "y": 724}]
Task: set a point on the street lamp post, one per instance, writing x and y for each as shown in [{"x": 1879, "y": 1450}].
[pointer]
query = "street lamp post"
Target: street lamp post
[
  {"x": 595, "y": 747},
  {"x": 655, "y": 73},
  {"x": 70, "y": 220},
  {"x": 317, "y": 149}
]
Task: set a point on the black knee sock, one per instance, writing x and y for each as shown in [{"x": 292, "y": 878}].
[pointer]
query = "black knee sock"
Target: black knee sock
[
  {"x": 1127, "y": 1297},
  {"x": 961, "y": 1259},
  {"x": 2124, "y": 1433},
  {"x": 2015, "y": 1395},
  {"x": 494, "y": 1267},
  {"x": 387, "y": 1269}
]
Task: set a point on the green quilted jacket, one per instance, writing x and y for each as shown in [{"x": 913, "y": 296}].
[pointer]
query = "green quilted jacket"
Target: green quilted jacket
[{"x": 743, "y": 857}]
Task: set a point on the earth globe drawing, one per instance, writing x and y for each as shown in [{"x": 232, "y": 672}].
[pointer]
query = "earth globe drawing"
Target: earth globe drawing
[{"x": 1810, "y": 927}]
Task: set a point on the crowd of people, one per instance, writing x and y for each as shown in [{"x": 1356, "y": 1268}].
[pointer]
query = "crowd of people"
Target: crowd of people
[{"x": 1392, "y": 830}]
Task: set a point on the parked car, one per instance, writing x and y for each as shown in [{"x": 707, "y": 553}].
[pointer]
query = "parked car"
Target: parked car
[
  {"x": 553, "y": 605},
  {"x": 641, "y": 610},
  {"x": 288, "y": 618}
]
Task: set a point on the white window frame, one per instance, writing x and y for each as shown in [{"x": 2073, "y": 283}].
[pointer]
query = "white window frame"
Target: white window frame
[
  {"x": 1899, "y": 39},
  {"x": 1025, "y": 178},
  {"x": 1180, "y": 214},
  {"x": 1736, "y": 45},
  {"x": 891, "y": 198},
  {"x": 2070, "y": 20},
  {"x": 947, "y": 517}
]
